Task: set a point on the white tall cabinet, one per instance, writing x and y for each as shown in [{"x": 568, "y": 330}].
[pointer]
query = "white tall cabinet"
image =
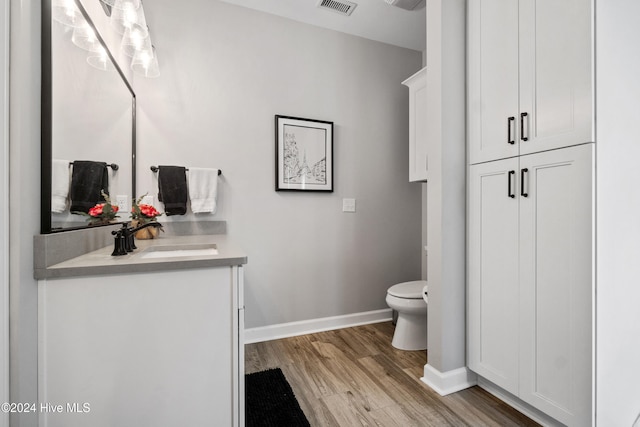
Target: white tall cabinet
[{"x": 530, "y": 203}]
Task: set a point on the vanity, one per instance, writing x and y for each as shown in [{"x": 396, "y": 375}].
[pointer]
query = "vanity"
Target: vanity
[{"x": 153, "y": 338}]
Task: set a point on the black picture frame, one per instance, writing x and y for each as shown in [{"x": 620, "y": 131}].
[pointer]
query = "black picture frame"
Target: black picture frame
[{"x": 304, "y": 154}]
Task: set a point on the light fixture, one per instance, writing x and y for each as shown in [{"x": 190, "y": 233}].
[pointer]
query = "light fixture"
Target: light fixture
[
  {"x": 127, "y": 18},
  {"x": 145, "y": 63},
  {"x": 128, "y": 14},
  {"x": 100, "y": 60},
  {"x": 66, "y": 12},
  {"x": 135, "y": 40},
  {"x": 85, "y": 38}
]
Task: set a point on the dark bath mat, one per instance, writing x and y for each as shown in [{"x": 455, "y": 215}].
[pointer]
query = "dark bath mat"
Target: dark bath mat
[{"x": 270, "y": 402}]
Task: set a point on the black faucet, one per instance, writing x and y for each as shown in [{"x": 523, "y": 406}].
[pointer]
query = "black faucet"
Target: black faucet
[{"x": 124, "y": 241}]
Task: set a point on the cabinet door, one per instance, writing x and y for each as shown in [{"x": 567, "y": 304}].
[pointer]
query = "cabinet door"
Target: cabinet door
[
  {"x": 556, "y": 73},
  {"x": 493, "y": 272},
  {"x": 556, "y": 283},
  {"x": 418, "y": 115},
  {"x": 493, "y": 79},
  {"x": 143, "y": 349}
]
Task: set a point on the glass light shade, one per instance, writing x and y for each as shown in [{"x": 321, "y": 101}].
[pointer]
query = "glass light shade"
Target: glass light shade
[
  {"x": 135, "y": 40},
  {"x": 85, "y": 38},
  {"x": 145, "y": 63},
  {"x": 66, "y": 12},
  {"x": 100, "y": 60},
  {"x": 116, "y": 4},
  {"x": 128, "y": 16}
]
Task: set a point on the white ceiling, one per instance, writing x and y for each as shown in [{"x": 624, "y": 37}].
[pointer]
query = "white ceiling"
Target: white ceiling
[{"x": 371, "y": 19}]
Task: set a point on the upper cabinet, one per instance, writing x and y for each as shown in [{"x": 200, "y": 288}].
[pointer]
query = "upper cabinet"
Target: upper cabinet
[
  {"x": 530, "y": 76},
  {"x": 418, "y": 152}
]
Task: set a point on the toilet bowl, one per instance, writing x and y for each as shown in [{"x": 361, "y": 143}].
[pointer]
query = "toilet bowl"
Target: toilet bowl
[{"x": 411, "y": 327}]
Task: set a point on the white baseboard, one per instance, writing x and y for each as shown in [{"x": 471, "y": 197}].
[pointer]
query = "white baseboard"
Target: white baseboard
[
  {"x": 448, "y": 382},
  {"x": 292, "y": 329}
]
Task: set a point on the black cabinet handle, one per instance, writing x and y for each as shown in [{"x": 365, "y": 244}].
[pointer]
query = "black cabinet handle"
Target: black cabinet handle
[
  {"x": 510, "y": 193},
  {"x": 522, "y": 117},
  {"x": 522, "y": 172},
  {"x": 510, "y": 139}
]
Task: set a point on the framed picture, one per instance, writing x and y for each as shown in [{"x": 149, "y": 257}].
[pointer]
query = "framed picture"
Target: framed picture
[{"x": 304, "y": 154}]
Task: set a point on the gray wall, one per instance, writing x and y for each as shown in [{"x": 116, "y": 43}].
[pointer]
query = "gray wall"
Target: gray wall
[
  {"x": 618, "y": 233},
  {"x": 4, "y": 208},
  {"x": 446, "y": 202},
  {"x": 226, "y": 71},
  {"x": 24, "y": 192}
]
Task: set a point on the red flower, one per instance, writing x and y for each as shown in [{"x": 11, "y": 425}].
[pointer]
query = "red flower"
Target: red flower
[
  {"x": 149, "y": 211},
  {"x": 98, "y": 209}
]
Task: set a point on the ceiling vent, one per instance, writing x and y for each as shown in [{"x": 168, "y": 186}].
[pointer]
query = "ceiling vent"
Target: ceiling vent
[{"x": 339, "y": 6}]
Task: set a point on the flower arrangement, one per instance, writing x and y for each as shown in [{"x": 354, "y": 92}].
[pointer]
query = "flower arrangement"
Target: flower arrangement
[
  {"x": 102, "y": 213},
  {"x": 143, "y": 213}
]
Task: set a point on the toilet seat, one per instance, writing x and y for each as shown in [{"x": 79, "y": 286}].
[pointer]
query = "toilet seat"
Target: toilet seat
[{"x": 408, "y": 290}]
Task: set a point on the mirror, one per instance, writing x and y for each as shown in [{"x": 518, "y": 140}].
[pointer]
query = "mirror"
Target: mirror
[{"x": 87, "y": 114}]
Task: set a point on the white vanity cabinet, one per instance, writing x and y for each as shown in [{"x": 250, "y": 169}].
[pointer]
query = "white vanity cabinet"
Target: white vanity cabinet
[
  {"x": 530, "y": 289},
  {"x": 530, "y": 76},
  {"x": 143, "y": 349},
  {"x": 418, "y": 129}
]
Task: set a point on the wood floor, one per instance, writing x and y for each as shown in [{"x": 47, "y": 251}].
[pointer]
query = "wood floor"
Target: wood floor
[{"x": 354, "y": 377}]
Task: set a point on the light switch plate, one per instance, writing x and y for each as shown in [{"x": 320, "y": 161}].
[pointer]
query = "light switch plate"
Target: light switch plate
[{"x": 348, "y": 205}]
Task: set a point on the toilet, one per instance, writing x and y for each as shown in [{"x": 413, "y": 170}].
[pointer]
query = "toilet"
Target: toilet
[{"x": 409, "y": 300}]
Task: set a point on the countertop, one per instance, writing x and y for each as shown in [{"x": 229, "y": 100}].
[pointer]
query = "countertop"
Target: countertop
[{"x": 100, "y": 262}]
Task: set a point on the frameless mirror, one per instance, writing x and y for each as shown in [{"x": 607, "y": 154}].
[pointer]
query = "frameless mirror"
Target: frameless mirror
[{"x": 88, "y": 113}]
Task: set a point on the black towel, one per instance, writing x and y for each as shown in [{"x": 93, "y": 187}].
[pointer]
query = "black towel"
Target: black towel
[
  {"x": 87, "y": 181},
  {"x": 172, "y": 186}
]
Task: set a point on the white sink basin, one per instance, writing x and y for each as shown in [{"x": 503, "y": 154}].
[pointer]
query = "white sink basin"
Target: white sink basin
[{"x": 179, "y": 251}]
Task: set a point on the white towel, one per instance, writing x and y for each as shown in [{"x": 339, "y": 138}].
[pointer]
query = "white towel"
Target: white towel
[
  {"x": 60, "y": 181},
  {"x": 203, "y": 189}
]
